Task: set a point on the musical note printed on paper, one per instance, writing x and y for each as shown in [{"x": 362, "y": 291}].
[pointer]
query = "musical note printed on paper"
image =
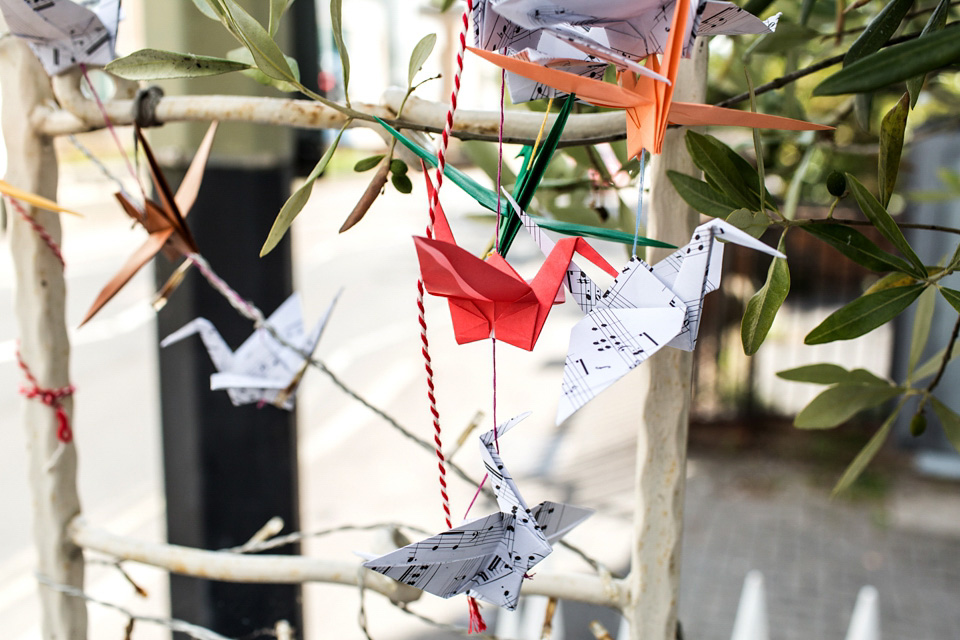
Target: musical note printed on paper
[
  {"x": 646, "y": 98},
  {"x": 485, "y": 558},
  {"x": 634, "y": 28},
  {"x": 63, "y": 33},
  {"x": 262, "y": 369},
  {"x": 645, "y": 309}
]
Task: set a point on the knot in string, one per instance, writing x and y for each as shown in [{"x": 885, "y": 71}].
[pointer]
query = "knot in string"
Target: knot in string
[{"x": 49, "y": 397}]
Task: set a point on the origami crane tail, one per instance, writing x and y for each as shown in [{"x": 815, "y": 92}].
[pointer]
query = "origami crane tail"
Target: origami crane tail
[
  {"x": 686, "y": 113},
  {"x": 190, "y": 186},
  {"x": 441, "y": 228},
  {"x": 596, "y": 92}
]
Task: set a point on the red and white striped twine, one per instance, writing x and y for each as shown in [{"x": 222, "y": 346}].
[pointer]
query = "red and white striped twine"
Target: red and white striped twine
[
  {"x": 39, "y": 229},
  {"x": 434, "y": 203}
]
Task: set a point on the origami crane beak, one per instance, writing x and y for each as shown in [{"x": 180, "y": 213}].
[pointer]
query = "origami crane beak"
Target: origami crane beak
[{"x": 726, "y": 232}]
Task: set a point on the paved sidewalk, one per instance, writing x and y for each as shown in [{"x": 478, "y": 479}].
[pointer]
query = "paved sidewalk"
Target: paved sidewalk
[{"x": 759, "y": 509}]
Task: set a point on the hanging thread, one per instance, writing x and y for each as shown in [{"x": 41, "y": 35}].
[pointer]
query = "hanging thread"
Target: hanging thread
[
  {"x": 636, "y": 231},
  {"x": 50, "y": 397},
  {"x": 113, "y": 132}
]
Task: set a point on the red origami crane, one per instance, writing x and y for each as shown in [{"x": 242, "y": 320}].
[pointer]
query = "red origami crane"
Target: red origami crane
[{"x": 488, "y": 298}]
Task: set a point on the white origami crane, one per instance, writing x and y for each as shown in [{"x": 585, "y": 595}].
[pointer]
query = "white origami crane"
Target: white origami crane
[
  {"x": 486, "y": 558},
  {"x": 634, "y": 28},
  {"x": 261, "y": 369},
  {"x": 646, "y": 308},
  {"x": 63, "y": 33},
  {"x": 559, "y": 49},
  {"x": 583, "y": 36}
]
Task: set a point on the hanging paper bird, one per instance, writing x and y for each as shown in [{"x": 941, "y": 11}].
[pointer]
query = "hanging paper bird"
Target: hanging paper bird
[
  {"x": 488, "y": 298},
  {"x": 648, "y": 103},
  {"x": 486, "y": 558},
  {"x": 646, "y": 308},
  {"x": 164, "y": 221}
]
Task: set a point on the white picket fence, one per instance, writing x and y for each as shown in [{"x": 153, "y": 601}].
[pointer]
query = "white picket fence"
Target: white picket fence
[{"x": 751, "y": 623}]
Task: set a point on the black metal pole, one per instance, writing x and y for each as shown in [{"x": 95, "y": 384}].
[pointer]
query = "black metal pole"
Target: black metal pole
[{"x": 227, "y": 469}]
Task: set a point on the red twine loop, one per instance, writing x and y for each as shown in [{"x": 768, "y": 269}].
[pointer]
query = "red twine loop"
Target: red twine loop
[
  {"x": 49, "y": 397},
  {"x": 39, "y": 229},
  {"x": 476, "y": 625}
]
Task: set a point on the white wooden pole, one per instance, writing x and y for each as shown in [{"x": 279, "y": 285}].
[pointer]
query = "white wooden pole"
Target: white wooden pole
[
  {"x": 44, "y": 347},
  {"x": 662, "y": 442}
]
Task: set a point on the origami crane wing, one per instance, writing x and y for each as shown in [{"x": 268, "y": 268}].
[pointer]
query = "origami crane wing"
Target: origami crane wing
[
  {"x": 449, "y": 563},
  {"x": 725, "y": 18},
  {"x": 451, "y": 272},
  {"x": 596, "y": 92},
  {"x": 63, "y": 33},
  {"x": 606, "y": 345}
]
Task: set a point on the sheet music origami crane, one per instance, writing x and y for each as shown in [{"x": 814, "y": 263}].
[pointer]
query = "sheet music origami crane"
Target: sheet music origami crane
[
  {"x": 582, "y": 36},
  {"x": 165, "y": 222},
  {"x": 261, "y": 369},
  {"x": 485, "y": 558},
  {"x": 648, "y": 102},
  {"x": 488, "y": 298},
  {"x": 63, "y": 33},
  {"x": 646, "y": 308}
]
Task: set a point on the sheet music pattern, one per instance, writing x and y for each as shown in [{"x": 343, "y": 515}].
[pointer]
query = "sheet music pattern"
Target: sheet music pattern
[
  {"x": 646, "y": 308},
  {"x": 262, "y": 367},
  {"x": 725, "y": 18},
  {"x": 606, "y": 345},
  {"x": 63, "y": 33},
  {"x": 486, "y": 558},
  {"x": 584, "y": 291},
  {"x": 494, "y": 32}
]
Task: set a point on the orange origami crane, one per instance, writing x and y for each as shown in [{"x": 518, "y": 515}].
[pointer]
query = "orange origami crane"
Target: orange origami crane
[
  {"x": 488, "y": 298},
  {"x": 164, "y": 221},
  {"x": 648, "y": 103}
]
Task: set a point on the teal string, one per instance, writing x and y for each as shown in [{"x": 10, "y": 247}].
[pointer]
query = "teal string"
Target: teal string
[{"x": 636, "y": 231}]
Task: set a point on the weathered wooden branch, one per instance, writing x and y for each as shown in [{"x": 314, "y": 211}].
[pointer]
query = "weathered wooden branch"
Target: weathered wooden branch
[
  {"x": 77, "y": 113},
  {"x": 234, "y": 567},
  {"x": 44, "y": 346}
]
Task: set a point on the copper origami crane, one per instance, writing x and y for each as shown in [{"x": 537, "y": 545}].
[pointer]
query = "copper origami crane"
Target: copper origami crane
[
  {"x": 488, "y": 298},
  {"x": 164, "y": 221},
  {"x": 648, "y": 103}
]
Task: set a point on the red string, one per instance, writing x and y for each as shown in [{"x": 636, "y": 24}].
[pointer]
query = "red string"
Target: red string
[
  {"x": 476, "y": 621},
  {"x": 477, "y": 625},
  {"x": 113, "y": 132},
  {"x": 49, "y": 397},
  {"x": 39, "y": 229}
]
